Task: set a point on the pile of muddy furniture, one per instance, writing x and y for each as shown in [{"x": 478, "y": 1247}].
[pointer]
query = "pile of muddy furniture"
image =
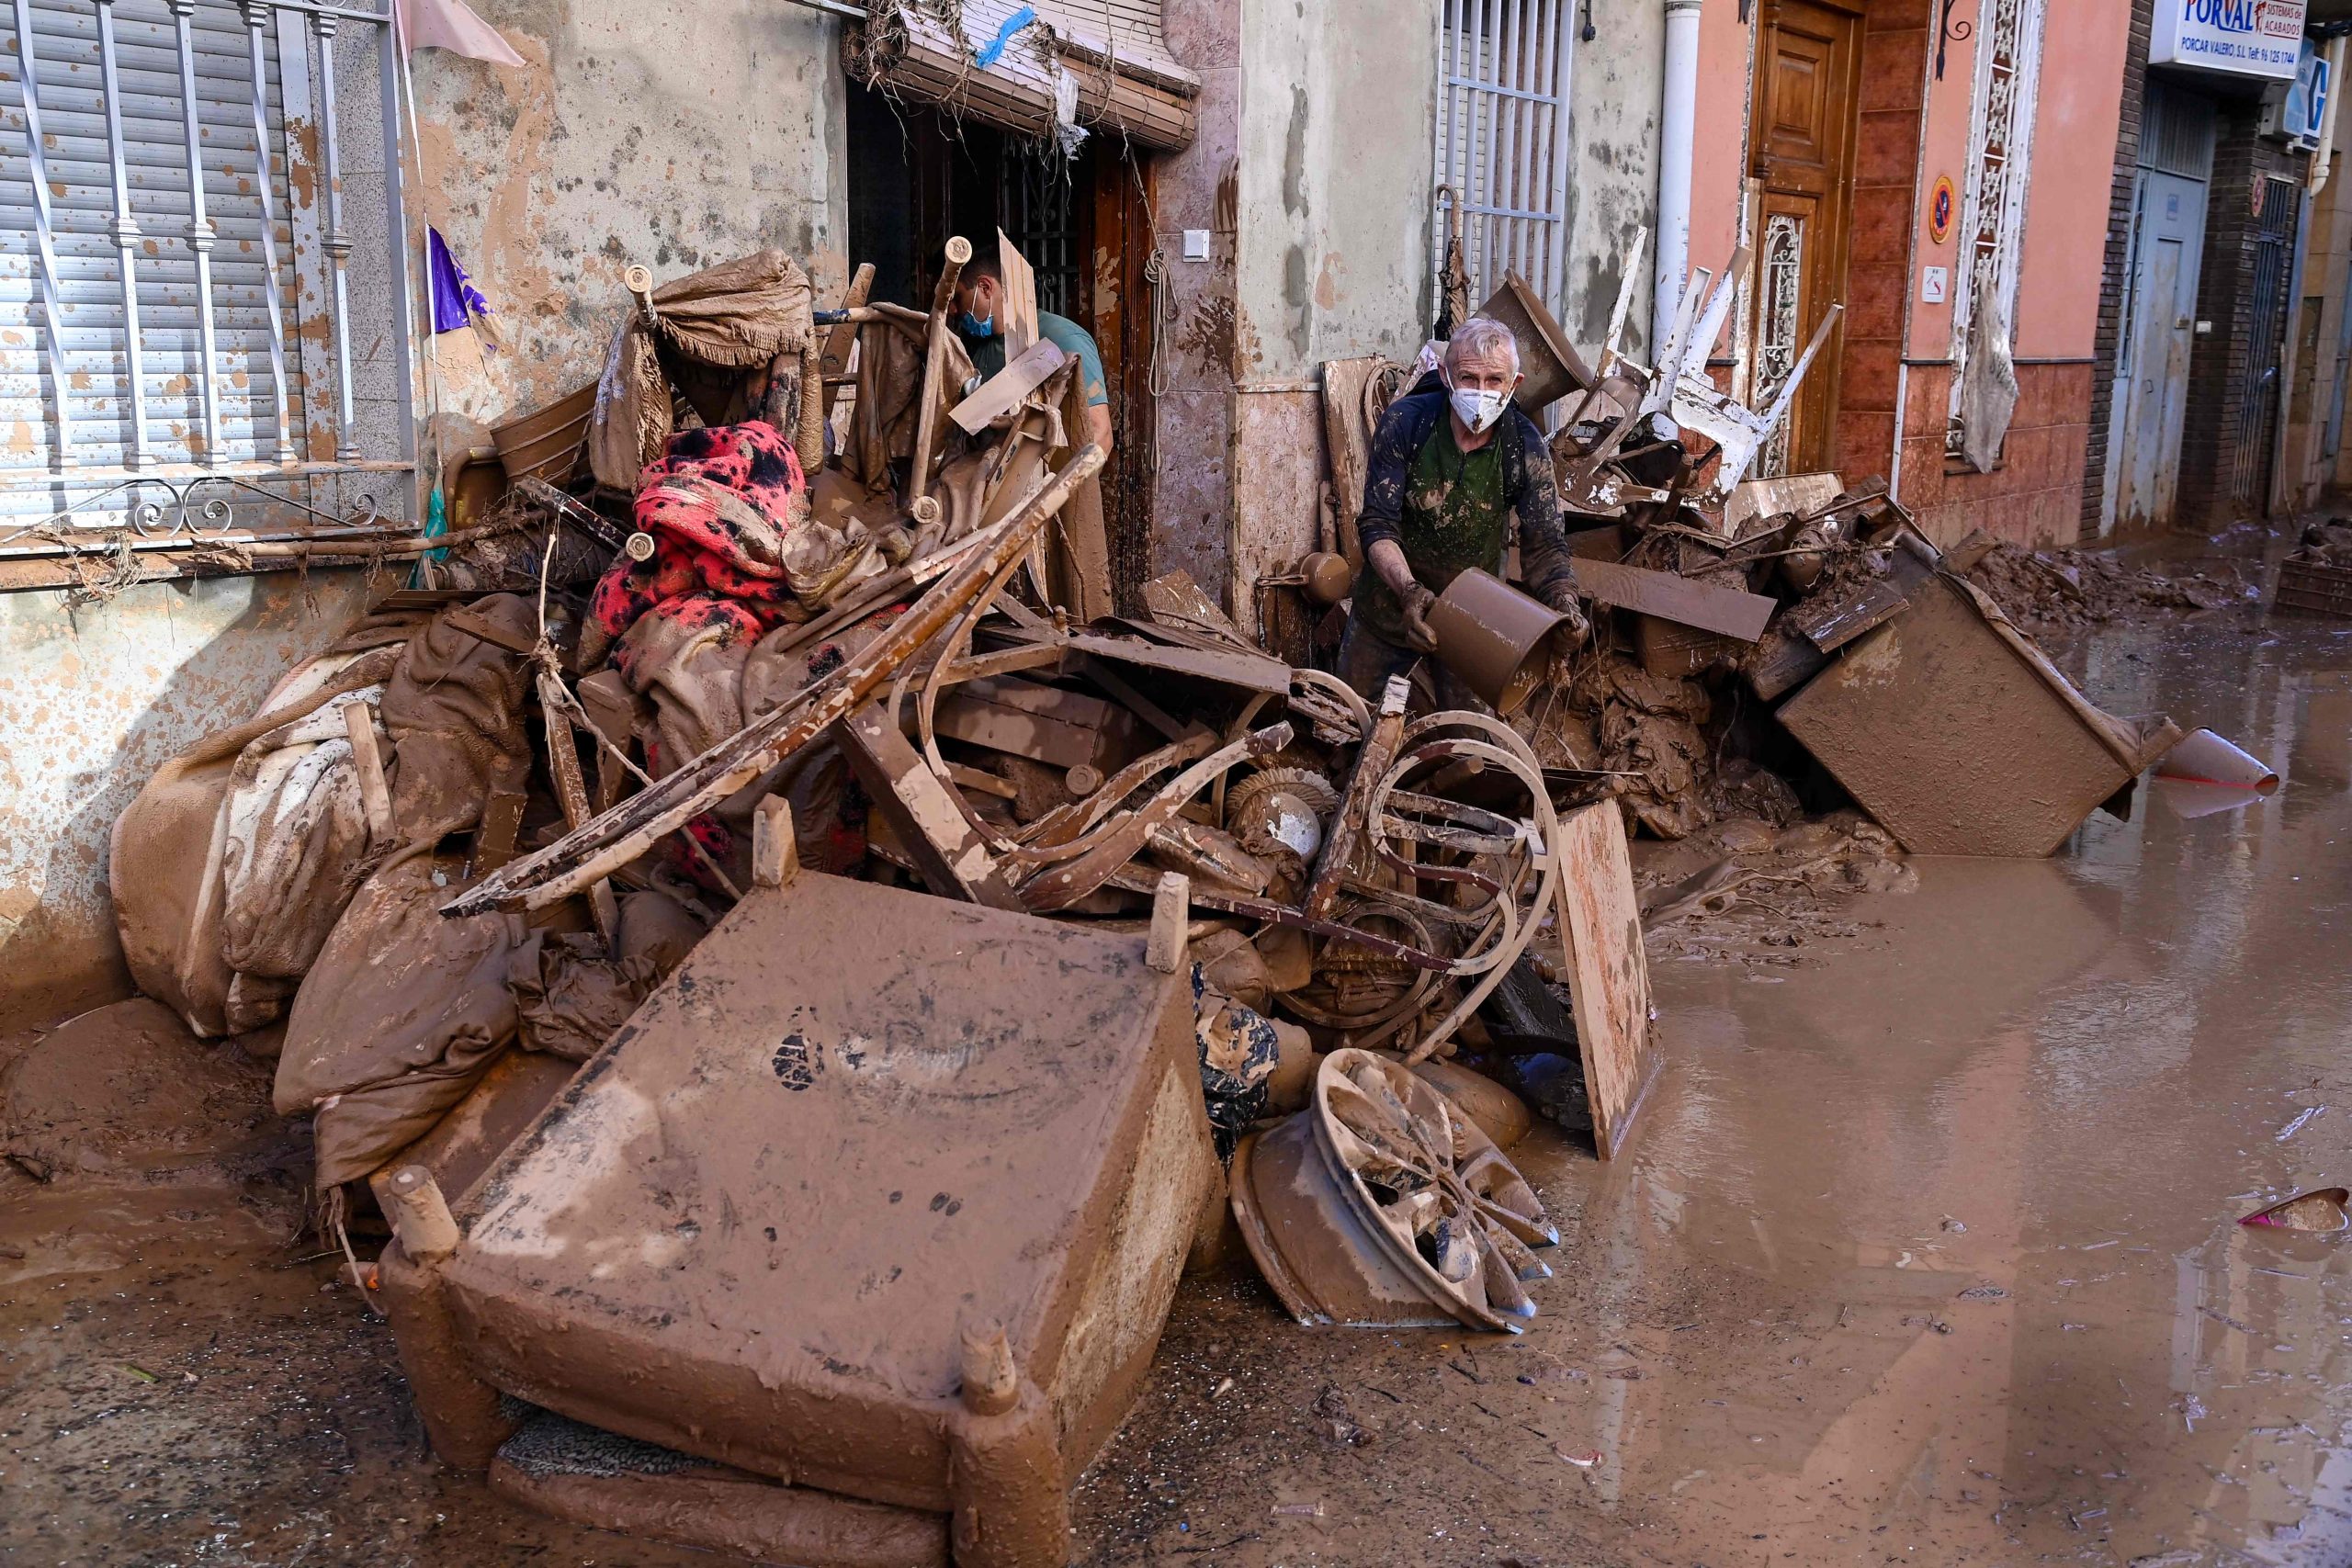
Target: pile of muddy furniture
[{"x": 802, "y": 973}]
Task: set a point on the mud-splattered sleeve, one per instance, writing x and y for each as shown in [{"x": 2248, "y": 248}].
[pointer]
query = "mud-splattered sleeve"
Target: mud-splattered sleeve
[
  {"x": 1542, "y": 542},
  {"x": 1398, "y": 437}
]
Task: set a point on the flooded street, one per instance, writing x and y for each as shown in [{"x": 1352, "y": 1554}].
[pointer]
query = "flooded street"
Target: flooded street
[{"x": 1925, "y": 1253}]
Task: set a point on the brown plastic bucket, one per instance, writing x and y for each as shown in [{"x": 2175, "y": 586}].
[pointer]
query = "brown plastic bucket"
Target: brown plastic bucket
[
  {"x": 547, "y": 444},
  {"x": 1492, "y": 635}
]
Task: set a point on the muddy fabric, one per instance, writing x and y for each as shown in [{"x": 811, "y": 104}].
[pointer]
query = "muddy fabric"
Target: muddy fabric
[
  {"x": 295, "y": 843},
  {"x": 165, "y": 856},
  {"x": 569, "y": 996},
  {"x": 658, "y": 930},
  {"x": 1650, "y": 726},
  {"x": 687, "y": 661},
  {"x": 455, "y": 711},
  {"x": 398, "y": 1018},
  {"x": 739, "y": 316},
  {"x": 889, "y": 406}
]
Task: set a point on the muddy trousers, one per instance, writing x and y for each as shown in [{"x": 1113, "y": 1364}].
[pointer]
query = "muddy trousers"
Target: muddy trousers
[{"x": 1367, "y": 660}]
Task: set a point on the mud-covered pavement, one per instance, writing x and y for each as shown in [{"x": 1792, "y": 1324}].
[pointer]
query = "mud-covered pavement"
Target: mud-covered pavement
[{"x": 1925, "y": 1253}]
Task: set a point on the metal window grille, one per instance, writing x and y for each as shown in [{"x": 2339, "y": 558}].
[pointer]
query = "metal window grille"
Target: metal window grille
[
  {"x": 2258, "y": 427},
  {"x": 2008, "y": 70},
  {"x": 1038, "y": 200},
  {"x": 1502, "y": 138},
  {"x": 176, "y": 236}
]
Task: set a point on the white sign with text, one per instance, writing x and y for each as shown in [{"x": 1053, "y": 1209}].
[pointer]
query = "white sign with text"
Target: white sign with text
[{"x": 2241, "y": 38}]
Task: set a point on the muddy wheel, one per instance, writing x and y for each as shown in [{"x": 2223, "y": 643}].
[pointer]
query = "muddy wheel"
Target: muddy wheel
[{"x": 1450, "y": 1209}]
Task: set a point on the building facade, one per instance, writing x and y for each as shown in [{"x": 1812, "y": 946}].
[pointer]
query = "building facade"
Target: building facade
[{"x": 1922, "y": 164}]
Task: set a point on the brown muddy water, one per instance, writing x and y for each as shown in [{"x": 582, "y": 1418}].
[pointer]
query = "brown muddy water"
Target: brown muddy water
[{"x": 1925, "y": 1253}]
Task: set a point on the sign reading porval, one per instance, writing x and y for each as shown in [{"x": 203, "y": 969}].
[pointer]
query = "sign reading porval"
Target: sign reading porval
[{"x": 2238, "y": 37}]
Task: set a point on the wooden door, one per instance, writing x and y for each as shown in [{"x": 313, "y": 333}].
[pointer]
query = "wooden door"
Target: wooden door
[
  {"x": 1808, "y": 73},
  {"x": 2168, "y": 242}
]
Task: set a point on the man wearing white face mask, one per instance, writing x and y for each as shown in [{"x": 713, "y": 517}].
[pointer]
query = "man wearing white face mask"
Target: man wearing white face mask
[{"x": 1451, "y": 463}]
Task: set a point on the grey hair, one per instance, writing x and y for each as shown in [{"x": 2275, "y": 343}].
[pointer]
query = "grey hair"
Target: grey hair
[{"x": 1481, "y": 335}]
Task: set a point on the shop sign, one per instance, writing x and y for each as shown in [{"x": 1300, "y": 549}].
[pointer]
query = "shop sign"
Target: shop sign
[{"x": 2238, "y": 38}]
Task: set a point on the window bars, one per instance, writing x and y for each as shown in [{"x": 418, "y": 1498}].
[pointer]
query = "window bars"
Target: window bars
[
  {"x": 1503, "y": 145},
  {"x": 175, "y": 252}
]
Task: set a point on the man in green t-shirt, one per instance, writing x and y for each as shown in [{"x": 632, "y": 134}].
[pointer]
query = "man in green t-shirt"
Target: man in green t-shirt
[{"x": 980, "y": 296}]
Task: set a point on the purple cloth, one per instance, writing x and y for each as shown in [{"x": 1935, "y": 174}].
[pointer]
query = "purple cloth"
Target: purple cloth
[{"x": 456, "y": 301}]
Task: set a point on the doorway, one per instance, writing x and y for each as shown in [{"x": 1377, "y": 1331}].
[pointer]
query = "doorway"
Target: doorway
[
  {"x": 2160, "y": 301},
  {"x": 1801, "y": 155},
  {"x": 2169, "y": 229},
  {"x": 1083, "y": 222}
]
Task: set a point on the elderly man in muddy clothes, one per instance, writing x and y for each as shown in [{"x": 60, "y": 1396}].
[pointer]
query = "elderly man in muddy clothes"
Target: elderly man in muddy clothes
[{"x": 1453, "y": 462}]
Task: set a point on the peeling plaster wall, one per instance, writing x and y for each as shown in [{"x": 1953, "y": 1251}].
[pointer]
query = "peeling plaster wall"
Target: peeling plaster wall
[
  {"x": 677, "y": 133},
  {"x": 91, "y": 701},
  {"x": 1616, "y": 84},
  {"x": 1335, "y": 177},
  {"x": 1192, "y": 489},
  {"x": 1340, "y": 115}
]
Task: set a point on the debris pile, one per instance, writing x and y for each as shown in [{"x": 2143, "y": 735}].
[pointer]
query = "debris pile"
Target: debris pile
[
  {"x": 952, "y": 952},
  {"x": 2067, "y": 590}
]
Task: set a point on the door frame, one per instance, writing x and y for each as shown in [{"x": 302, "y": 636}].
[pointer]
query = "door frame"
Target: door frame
[{"x": 1812, "y": 433}]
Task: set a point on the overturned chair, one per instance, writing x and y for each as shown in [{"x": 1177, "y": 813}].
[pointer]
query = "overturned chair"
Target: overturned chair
[{"x": 852, "y": 1247}]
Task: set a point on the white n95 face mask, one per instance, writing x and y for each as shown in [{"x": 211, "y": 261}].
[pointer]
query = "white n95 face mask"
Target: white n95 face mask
[{"x": 1479, "y": 411}]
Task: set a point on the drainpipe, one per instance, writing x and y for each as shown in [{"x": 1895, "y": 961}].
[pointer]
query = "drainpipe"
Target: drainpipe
[{"x": 1678, "y": 120}]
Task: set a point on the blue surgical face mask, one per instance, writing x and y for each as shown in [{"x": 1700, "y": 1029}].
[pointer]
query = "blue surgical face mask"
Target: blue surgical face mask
[{"x": 980, "y": 326}]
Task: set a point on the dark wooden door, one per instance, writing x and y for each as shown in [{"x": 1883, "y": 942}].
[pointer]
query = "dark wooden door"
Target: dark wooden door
[{"x": 1808, "y": 73}]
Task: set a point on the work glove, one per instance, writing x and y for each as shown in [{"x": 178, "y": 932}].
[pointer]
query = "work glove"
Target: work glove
[
  {"x": 1417, "y": 601},
  {"x": 1572, "y": 632}
]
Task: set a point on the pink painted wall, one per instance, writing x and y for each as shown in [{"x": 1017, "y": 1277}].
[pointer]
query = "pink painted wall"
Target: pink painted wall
[
  {"x": 2072, "y": 163},
  {"x": 1719, "y": 153},
  {"x": 2083, "y": 49}
]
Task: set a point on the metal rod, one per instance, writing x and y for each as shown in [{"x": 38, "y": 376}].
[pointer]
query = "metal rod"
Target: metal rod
[
  {"x": 124, "y": 231},
  {"x": 199, "y": 234},
  {"x": 256, "y": 17},
  {"x": 56, "y": 320},
  {"x": 337, "y": 242},
  {"x": 1491, "y": 187},
  {"x": 392, "y": 68}
]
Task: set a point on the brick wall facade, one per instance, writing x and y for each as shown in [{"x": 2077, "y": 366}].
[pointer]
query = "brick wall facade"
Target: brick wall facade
[
  {"x": 2221, "y": 362},
  {"x": 2109, "y": 337}
]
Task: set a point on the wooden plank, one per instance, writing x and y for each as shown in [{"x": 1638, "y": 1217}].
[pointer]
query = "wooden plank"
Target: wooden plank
[
  {"x": 1372, "y": 758},
  {"x": 931, "y": 828},
  {"x": 838, "y": 341},
  {"x": 489, "y": 631},
  {"x": 1830, "y": 622},
  {"x": 571, "y": 794},
  {"x": 1609, "y": 977},
  {"x": 1731, "y": 611},
  {"x": 775, "y": 854},
  {"x": 375, "y": 795},
  {"x": 1020, "y": 304},
  {"x": 1800, "y": 493},
  {"x": 1003, "y": 392},
  {"x": 1230, "y": 666}
]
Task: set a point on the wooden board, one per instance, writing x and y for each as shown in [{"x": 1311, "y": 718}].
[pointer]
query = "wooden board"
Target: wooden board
[
  {"x": 1770, "y": 498},
  {"x": 1019, "y": 307},
  {"x": 948, "y": 854},
  {"x": 1731, "y": 611},
  {"x": 1003, "y": 392},
  {"x": 1608, "y": 975}
]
